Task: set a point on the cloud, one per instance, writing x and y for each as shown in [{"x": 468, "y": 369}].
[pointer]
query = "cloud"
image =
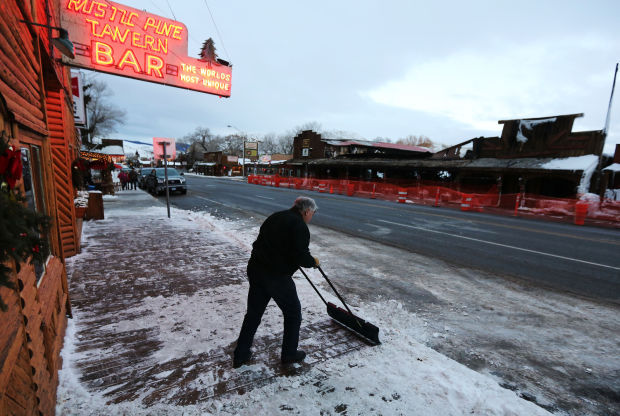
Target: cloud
[{"x": 477, "y": 88}]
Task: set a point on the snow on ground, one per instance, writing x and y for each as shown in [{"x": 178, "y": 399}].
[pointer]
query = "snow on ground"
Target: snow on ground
[{"x": 401, "y": 376}]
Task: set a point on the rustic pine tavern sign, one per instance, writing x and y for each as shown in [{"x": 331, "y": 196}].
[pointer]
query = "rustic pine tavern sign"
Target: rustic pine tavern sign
[{"x": 117, "y": 39}]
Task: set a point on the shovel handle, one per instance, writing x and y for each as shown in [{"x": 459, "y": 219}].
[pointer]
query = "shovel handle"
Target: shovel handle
[
  {"x": 312, "y": 284},
  {"x": 335, "y": 291}
]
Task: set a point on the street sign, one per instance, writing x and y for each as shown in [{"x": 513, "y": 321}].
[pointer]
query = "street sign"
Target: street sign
[
  {"x": 77, "y": 90},
  {"x": 158, "y": 150}
]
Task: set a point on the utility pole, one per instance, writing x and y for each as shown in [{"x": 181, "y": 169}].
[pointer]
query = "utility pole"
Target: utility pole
[
  {"x": 243, "y": 137},
  {"x": 598, "y": 186},
  {"x": 611, "y": 97}
]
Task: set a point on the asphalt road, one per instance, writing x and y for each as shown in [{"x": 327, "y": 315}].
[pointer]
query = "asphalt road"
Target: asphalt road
[{"x": 581, "y": 260}]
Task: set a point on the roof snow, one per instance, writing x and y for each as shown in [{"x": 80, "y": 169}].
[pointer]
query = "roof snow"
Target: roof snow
[
  {"x": 112, "y": 150},
  {"x": 529, "y": 125},
  {"x": 584, "y": 162},
  {"x": 615, "y": 167},
  {"x": 383, "y": 145}
]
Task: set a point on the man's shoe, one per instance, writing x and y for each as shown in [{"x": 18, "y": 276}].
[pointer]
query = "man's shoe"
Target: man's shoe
[
  {"x": 299, "y": 356},
  {"x": 239, "y": 361}
]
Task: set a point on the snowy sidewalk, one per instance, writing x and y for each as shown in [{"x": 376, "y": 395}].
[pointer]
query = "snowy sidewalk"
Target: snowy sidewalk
[{"x": 157, "y": 304}]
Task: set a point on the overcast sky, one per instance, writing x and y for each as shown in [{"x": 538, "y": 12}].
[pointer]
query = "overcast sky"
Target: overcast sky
[{"x": 448, "y": 70}]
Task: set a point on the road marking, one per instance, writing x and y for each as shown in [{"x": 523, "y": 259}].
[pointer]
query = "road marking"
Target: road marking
[
  {"x": 493, "y": 223},
  {"x": 210, "y": 200},
  {"x": 380, "y": 231},
  {"x": 264, "y": 197},
  {"x": 501, "y": 245}
]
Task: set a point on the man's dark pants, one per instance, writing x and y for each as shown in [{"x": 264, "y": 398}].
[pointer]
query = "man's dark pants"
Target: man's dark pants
[{"x": 283, "y": 292}]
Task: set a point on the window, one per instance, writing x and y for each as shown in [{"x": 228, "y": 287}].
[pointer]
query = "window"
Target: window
[{"x": 33, "y": 188}]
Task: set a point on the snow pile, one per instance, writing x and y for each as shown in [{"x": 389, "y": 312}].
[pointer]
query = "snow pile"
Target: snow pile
[{"x": 82, "y": 199}]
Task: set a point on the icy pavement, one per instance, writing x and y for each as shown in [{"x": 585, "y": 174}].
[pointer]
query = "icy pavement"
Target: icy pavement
[{"x": 157, "y": 304}]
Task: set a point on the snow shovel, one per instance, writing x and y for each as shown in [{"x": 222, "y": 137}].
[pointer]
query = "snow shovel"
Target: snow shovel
[{"x": 345, "y": 317}]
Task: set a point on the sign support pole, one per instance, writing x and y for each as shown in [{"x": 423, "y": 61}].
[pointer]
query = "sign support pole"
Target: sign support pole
[
  {"x": 243, "y": 166},
  {"x": 166, "y": 178}
]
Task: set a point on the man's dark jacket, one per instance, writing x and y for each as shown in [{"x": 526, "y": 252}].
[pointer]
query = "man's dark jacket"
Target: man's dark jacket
[{"x": 281, "y": 246}]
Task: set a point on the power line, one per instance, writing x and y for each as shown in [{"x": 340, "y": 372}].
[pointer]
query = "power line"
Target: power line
[
  {"x": 218, "y": 31},
  {"x": 170, "y": 7},
  {"x": 154, "y": 4},
  {"x": 163, "y": 12}
]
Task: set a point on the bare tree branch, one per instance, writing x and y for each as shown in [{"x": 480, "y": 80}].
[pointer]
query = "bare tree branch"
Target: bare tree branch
[{"x": 103, "y": 116}]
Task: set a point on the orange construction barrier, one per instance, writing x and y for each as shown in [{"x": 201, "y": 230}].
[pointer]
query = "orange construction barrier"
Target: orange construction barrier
[
  {"x": 517, "y": 204},
  {"x": 581, "y": 211},
  {"x": 350, "y": 189},
  {"x": 475, "y": 199},
  {"x": 466, "y": 202}
]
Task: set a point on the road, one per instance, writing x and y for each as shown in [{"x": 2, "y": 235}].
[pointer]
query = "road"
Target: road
[{"x": 565, "y": 257}]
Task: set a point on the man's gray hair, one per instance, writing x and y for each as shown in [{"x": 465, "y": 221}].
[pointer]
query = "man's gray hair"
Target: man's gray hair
[{"x": 303, "y": 203}]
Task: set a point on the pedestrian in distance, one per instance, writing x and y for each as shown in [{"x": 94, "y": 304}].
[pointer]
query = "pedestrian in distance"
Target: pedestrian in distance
[
  {"x": 279, "y": 250},
  {"x": 133, "y": 178},
  {"x": 124, "y": 178}
]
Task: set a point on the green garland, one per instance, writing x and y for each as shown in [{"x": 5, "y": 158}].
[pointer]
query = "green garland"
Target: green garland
[{"x": 23, "y": 231}]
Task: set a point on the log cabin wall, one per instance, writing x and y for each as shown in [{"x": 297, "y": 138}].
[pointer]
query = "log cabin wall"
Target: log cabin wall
[
  {"x": 36, "y": 114},
  {"x": 55, "y": 99}
]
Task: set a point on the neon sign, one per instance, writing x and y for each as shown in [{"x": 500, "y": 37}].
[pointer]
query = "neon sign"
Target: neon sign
[{"x": 117, "y": 39}]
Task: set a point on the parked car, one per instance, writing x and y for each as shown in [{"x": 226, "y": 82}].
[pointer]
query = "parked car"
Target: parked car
[
  {"x": 155, "y": 184},
  {"x": 144, "y": 172}
]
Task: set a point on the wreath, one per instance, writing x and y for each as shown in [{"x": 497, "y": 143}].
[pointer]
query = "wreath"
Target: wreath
[{"x": 23, "y": 231}]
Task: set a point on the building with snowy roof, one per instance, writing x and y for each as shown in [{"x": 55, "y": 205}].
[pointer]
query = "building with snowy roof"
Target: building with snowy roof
[{"x": 536, "y": 155}]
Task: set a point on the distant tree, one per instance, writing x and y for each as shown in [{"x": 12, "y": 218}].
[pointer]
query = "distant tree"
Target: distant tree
[
  {"x": 421, "y": 141},
  {"x": 233, "y": 144},
  {"x": 268, "y": 145},
  {"x": 201, "y": 135},
  {"x": 133, "y": 160},
  {"x": 285, "y": 144},
  {"x": 311, "y": 125},
  {"x": 340, "y": 134},
  {"x": 103, "y": 116},
  {"x": 197, "y": 141},
  {"x": 207, "y": 52},
  {"x": 384, "y": 139}
]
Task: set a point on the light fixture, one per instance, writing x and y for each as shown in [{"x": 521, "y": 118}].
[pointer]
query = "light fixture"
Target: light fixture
[{"x": 62, "y": 42}]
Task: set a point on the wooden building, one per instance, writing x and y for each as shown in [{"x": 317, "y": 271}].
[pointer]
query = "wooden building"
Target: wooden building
[
  {"x": 218, "y": 164},
  {"x": 523, "y": 160},
  {"x": 36, "y": 114}
]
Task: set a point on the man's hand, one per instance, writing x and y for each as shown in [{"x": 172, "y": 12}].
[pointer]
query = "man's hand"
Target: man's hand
[{"x": 317, "y": 263}]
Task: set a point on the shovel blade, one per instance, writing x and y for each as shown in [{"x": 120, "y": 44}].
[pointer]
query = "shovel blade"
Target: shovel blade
[{"x": 354, "y": 323}]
